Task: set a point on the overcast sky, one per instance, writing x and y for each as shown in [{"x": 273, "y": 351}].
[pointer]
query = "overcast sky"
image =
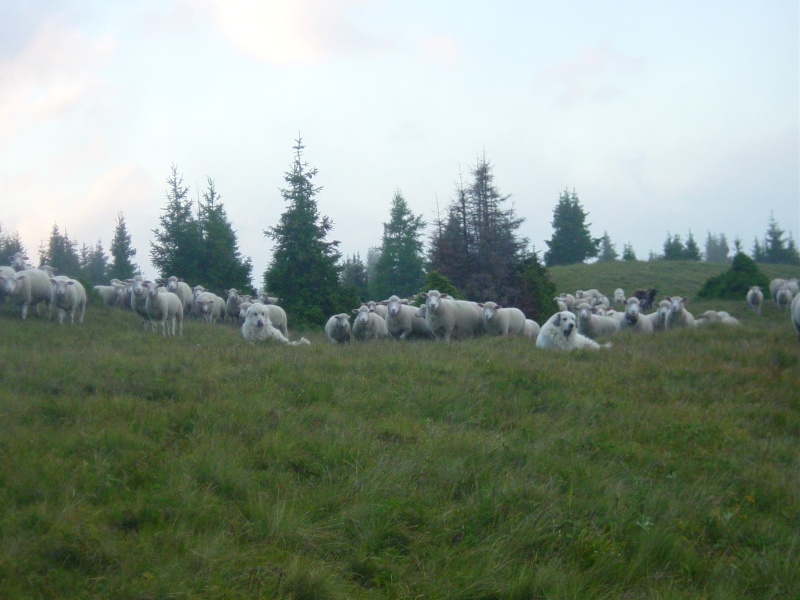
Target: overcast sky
[{"x": 663, "y": 116}]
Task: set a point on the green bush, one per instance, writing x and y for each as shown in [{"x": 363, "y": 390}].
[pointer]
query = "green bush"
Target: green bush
[{"x": 734, "y": 283}]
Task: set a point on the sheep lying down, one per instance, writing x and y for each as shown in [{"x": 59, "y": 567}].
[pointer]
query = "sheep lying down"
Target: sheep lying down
[{"x": 258, "y": 327}]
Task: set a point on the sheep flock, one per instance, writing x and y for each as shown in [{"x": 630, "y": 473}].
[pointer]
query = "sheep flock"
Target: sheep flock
[{"x": 582, "y": 317}]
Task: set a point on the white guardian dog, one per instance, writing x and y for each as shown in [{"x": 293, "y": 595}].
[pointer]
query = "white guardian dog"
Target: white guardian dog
[
  {"x": 560, "y": 332},
  {"x": 257, "y": 326}
]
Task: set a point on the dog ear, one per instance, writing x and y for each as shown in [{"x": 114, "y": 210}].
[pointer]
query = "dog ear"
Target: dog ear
[{"x": 557, "y": 322}]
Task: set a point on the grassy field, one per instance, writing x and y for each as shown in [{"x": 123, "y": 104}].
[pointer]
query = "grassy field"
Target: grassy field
[{"x": 135, "y": 466}]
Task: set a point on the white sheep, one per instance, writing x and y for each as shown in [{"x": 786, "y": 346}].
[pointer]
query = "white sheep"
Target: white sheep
[
  {"x": 368, "y": 325},
  {"x": 755, "y": 298},
  {"x": 378, "y": 307},
  {"x": 711, "y": 317},
  {"x": 532, "y": 329},
  {"x": 619, "y": 297},
  {"x": 208, "y": 306},
  {"x": 502, "y": 321},
  {"x": 678, "y": 316},
  {"x": 337, "y": 329},
  {"x": 257, "y": 326},
  {"x": 18, "y": 262},
  {"x": 659, "y": 318},
  {"x": 560, "y": 333},
  {"x": 139, "y": 289},
  {"x": 243, "y": 308},
  {"x": 28, "y": 288},
  {"x": 632, "y": 320},
  {"x": 448, "y": 318},
  {"x": 783, "y": 296},
  {"x": 795, "y": 314},
  {"x": 774, "y": 286},
  {"x": 162, "y": 306},
  {"x": 68, "y": 296},
  {"x": 182, "y": 290},
  {"x": 265, "y": 298},
  {"x": 593, "y": 325},
  {"x": 402, "y": 321},
  {"x": 232, "y": 305},
  {"x": 794, "y": 286}
]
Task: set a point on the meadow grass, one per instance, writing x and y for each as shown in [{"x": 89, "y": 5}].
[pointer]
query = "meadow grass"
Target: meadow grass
[{"x": 136, "y": 466}]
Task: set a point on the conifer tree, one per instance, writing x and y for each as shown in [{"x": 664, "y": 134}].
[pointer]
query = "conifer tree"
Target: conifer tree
[
  {"x": 121, "y": 265},
  {"x": 401, "y": 266},
  {"x": 354, "y": 276},
  {"x": 775, "y": 249},
  {"x": 628, "y": 252},
  {"x": 608, "y": 253},
  {"x": 9, "y": 245},
  {"x": 94, "y": 264},
  {"x": 303, "y": 271},
  {"x": 717, "y": 249},
  {"x": 691, "y": 251},
  {"x": 673, "y": 247},
  {"x": 571, "y": 242},
  {"x": 222, "y": 266},
  {"x": 178, "y": 246},
  {"x": 60, "y": 253}
]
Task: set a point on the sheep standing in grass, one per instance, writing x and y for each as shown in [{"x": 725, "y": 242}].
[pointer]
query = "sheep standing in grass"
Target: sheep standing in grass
[
  {"x": 783, "y": 296},
  {"x": 402, "y": 321},
  {"x": 532, "y": 329},
  {"x": 378, "y": 307},
  {"x": 678, "y": 316},
  {"x": 69, "y": 296},
  {"x": 593, "y": 325},
  {"x": 368, "y": 325},
  {"x": 19, "y": 262},
  {"x": 139, "y": 289},
  {"x": 208, "y": 307},
  {"x": 337, "y": 329},
  {"x": 795, "y": 314},
  {"x": 659, "y": 318},
  {"x": 501, "y": 321},
  {"x": 182, "y": 290},
  {"x": 258, "y": 327},
  {"x": 110, "y": 294},
  {"x": 632, "y": 319},
  {"x": 774, "y": 286},
  {"x": 619, "y": 297},
  {"x": 560, "y": 332},
  {"x": 448, "y": 318},
  {"x": 28, "y": 288},
  {"x": 755, "y": 298},
  {"x": 162, "y": 306},
  {"x": 232, "y": 305}
]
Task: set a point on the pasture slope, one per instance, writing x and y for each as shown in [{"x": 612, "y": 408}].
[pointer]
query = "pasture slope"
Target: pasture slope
[{"x": 138, "y": 466}]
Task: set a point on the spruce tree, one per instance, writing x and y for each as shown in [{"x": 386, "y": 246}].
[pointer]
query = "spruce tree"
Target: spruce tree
[
  {"x": 222, "y": 266},
  {"x": 571, "y": 242},
  {"x": 536, "y": 289},
  {"x": 122, "y": 252},
  {"x": 608, "y": 253},
  {"x": 60, "y": 253},
  {"x": 354, "y": 276},
  {"x": 775, "y": 249},
  {"x": 10, "y": 244},
  {"x": 691, "y": 251},
  {"x": 401, "y": 266},
  {"x": 178, "y": 246},
  {"x": 94, "y": 264},
  {"x": 673, "y": 247},
  {"x": 628, "y": 253},
  {"x": 303, "y": 271},
  {"x": 717, "y": 249}
]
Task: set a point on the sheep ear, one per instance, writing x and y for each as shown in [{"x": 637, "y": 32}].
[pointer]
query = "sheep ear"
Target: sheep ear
[{"x": 355, "y": 310}]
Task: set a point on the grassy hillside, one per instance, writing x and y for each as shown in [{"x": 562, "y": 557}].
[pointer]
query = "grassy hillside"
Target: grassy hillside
[
  {"x": 135, "y": 466},
  {"x": 672, "y": 278}
]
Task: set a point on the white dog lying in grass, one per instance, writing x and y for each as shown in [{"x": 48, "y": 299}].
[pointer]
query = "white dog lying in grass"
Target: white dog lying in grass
[
  {"x": 560, "y": 332},
  {"x": 257, "y": 326}
]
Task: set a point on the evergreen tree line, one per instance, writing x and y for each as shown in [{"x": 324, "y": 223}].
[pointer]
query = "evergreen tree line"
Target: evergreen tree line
[{"x": 474, "y": 249}]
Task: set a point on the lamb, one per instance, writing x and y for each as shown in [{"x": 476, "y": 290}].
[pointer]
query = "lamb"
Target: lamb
[
  {"x": 632, "y": 320},
  {"x": 402, "y": 321},
  {"x": 337, "y": 329},
  {"x": 794, "y": 314},
  {"x": 678, "y": 316},
  {"x": 28, "y": 287},
  {"x": 783, "y": 296},
  {"x": 593, "y": 325},
  {"x": 258, "y": 327},
  {"x": 448, "y": 318},
  {"x": 378, "y": 307},
  {"x": 163, "y": 305},
  {"x": 69, "y": 296},
  {"x": 368, "y": 325},
  {"x": 182, "y": 290},
  {"x": 498, "y": 320},
  {"x": 208, "y": 306},
  {"x": 559, "y": 333},
  {"x": 755, "y": 298}
]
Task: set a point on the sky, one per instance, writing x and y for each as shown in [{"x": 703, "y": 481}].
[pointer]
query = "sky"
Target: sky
[{"x": 664, "y": 117}]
